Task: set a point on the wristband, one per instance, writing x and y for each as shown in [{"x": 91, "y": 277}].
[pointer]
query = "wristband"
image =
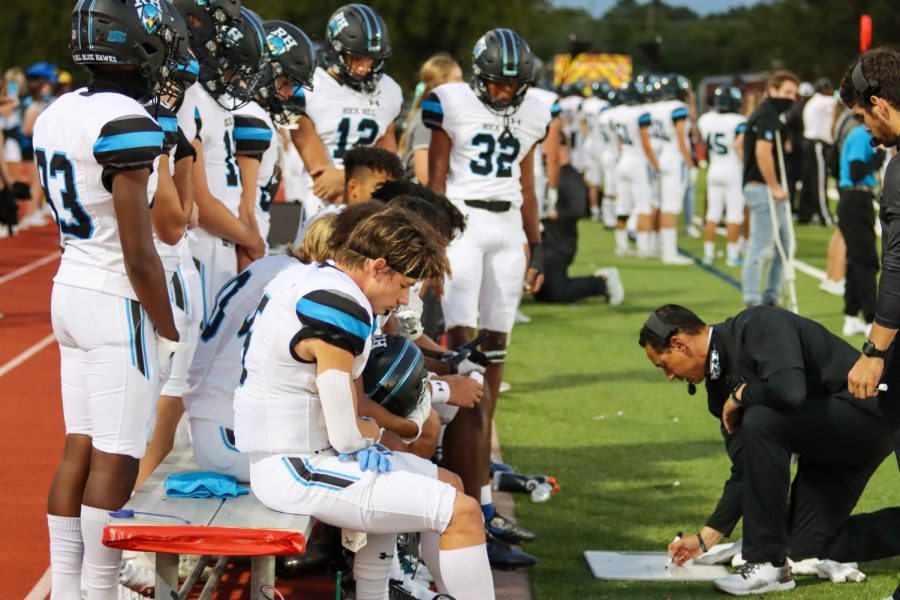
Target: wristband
[
  {"x": 733, "y": 396},
  {"x": 537, "y": 257},
  {"x": 702, "y": 545},
  {"x": 440, "y": 391}
]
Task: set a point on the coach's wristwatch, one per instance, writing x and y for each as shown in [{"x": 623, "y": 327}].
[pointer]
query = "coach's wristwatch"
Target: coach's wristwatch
[{"x": 871, "y": 350}]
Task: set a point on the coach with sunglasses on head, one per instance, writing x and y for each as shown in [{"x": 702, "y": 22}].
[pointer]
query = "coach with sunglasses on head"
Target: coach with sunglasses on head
[{"x": 777, "y": 383}]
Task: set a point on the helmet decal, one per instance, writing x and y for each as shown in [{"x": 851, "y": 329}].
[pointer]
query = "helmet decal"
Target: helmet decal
[
  {"x": 337, "y": 24},
  {"x": 280, "y": 42},
  {"x": 150, "y": 15}
]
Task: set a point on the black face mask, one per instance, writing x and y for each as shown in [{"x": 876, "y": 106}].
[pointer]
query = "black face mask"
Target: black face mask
[
  {"x": 130, "y": 83},
  {"x": 781, "y": 104}
]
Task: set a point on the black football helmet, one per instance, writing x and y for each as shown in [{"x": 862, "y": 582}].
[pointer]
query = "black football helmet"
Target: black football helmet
[
  {"x": 674, "y": 87},
  {"x": 628, "y": 94},
  {"x": 206, "y": 21},
  {"x": 358, "y": 30},
  {"x": 727, "y": 99},
  {"x": 243, "y": 57},
  {"x": 290, "y": 54},
  {"x": 142, "y": 33},
  {"x": 601, "y": 89},
  {"x": 501, "y": 56},
  {"x": 395, "y": 375}
]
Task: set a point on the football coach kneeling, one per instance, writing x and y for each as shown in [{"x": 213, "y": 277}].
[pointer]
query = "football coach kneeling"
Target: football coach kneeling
[{"x": 778, "y": 384}]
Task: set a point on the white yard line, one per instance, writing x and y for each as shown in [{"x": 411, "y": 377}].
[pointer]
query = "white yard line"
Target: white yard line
[
  {"x": 21, "y": 358},
  {"x": 28, "y": 268},
  {"x": 41, "y": 589}
]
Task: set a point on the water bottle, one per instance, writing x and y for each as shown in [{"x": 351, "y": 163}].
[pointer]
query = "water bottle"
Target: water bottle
[{"x": 540, "y": 492}]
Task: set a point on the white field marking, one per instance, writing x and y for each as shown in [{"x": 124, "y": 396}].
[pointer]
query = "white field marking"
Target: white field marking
[
  {"x": 21, "y": 358},
  {"x": 28, "y": 268},
  {"x": 41, "y": 589}
]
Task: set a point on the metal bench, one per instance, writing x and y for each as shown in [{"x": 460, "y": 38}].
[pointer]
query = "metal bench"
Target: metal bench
[{"x": 217, "y": 529}]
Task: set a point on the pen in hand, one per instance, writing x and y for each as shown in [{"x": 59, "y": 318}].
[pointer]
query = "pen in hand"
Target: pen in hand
[{"x": 669, "y": 557}]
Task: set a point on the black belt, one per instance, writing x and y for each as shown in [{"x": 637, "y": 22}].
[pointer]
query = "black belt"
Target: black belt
[
  {"x": 497, "y": 206},
  {"x": 858, "y": 188}
]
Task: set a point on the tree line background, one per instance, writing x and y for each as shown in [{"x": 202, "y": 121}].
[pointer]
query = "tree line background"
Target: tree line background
[{"x": 812, "y": 37}]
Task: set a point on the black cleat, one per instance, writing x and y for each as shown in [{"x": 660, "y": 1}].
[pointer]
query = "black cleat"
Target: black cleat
[
  {"x": 507, "y": 531},
  {"x": 504, "y": 557}
]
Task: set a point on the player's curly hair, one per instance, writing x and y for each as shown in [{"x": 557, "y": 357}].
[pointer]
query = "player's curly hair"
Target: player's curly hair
[
  {"x": 881, "y": 65},
  {"x": 316, "y": 246},
  {"x": 410, "y": 246},
  {"x": 373, "y": 159}
]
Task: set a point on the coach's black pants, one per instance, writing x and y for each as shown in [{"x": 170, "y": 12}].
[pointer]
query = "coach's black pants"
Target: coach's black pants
[
  {"x": 840, "y": 447},
  {"x": 857, "y": 221},
  {"x": 813, "y": 200},
  {"x": 559, "y": 287}
]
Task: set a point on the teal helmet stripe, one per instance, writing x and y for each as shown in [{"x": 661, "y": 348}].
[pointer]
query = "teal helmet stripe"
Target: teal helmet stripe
[
  {"x": 510, "y": 48},
  {"x": 373, "y": 28},
  {"x": 91, "y": 24}
]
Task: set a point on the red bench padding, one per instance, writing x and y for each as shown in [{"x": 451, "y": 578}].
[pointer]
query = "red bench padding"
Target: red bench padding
[{"x": 191, "y": 539}]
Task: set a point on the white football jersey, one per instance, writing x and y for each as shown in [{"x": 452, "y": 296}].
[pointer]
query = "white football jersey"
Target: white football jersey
[
  {"x": 80, "y": 142},
  {"x": 201, "y": 117},
  {"x": 720, "y": 131},
  {"x": 345, "y": 117},
  {"x": 629, "y": 121},
  {"x": 540, "y": 175},
  {"x": 216, "y": 367},
  {"x": 255, "y": 136},
  {"x": 590, "y": 113},
  {"x": 606, "y": 130},
  {"x": 487, "y": 147},
  {"x": 571, "y": 109},
  {"x": 277, "y": 408},
  {"x": 665, "y": 115}
]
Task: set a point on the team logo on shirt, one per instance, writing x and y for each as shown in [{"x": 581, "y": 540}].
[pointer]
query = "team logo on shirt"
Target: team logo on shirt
[
  {"x": 150, "y": 15},
  {"x": 280, "y": 42}
]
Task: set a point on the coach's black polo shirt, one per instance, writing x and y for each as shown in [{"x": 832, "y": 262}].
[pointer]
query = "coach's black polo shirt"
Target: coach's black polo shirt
[
  {"x": 762, "y": 124},
  {"x": 887, "y": 309}
]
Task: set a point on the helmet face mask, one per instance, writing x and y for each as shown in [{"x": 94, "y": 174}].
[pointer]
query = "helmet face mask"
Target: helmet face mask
[
  {"x": 243, "y": 59},
  {"x": 502, "y": 57},
  {"x": 357, "y": 31},
  {"x": 142, "y": 33},
  {"x": 208, "y": 22}
]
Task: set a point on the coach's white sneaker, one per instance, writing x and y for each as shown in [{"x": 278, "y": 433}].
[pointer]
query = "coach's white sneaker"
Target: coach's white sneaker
[
  {"x": 853, "y": 326},
  {"x": 615, "y": 291},
  {"x": 677, "y": 260},
  {"x": 627, "y": 252},
  {"x": 756, "y": 578}
]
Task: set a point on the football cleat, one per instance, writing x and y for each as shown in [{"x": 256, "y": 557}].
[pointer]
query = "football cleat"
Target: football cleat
[
  {"x": 504, "y": 557},
  {"x": 507, "y": 531}
]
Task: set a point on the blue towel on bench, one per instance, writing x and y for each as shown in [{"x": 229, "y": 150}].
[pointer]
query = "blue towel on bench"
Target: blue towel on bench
[{"x": 203, "y": 484}]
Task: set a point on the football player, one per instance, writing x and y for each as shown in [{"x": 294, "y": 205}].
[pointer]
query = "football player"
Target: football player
[
  {"x": 481, "y": 157},
  {"x": 353, "y": 103},
  {"x": 636, "y": 171},
  {"x": 279, "y": 99},
  {"x": 671, "y": 125},
  {"x": 546, "y": 155},
  {"x": 94, "y": 150},
  {"x": 723, "y": 131},
  {"x": 609, "y": 155},
  {"x": 207, "y": 120},
  {"x": 295, "y": 410},
  {"x": 593, "y": 144}
]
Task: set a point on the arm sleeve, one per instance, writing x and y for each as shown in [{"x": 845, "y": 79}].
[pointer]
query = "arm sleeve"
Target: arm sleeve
[
  {"x": 773, "y": 345},
  {"x": 251, "y": 136},
  {"x": 887, "y": 308},
  {"x": 730, "y": 508},
  {"x": 861, "y": 168},
  {"x": 432, "y": 111},
  {"x": 127, "y": 143},
  {"x": 169, "y": 124},
  {"x": 645, "y": 120},
  {"x": 335, "y": 318}
]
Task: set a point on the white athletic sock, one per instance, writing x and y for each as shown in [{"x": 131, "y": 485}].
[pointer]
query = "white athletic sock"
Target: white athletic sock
[
  {"x": 709, "y": 249},
  {"x": 487, "y": 497},
  {"x": 430, "y": 549},
  {"x": 734, "y": 249},
  {"x": 643, "y": 243},
  {"x": 101, "y": 564},
  {"x": 66, "y": 554},
  {"x": 467, "y": 573},
  {"x": 669, "y": 239},
  {"x": 654, "y": 242},
  {"x": 372, "y": 566},
  {"x": 621, "y": 239}
]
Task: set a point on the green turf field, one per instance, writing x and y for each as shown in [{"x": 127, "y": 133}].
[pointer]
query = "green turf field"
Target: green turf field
[{"x": 587, "y": 407}]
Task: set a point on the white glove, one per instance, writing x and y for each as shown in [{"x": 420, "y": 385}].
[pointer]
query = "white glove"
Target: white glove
[
  {"x": 165, "y": 351},
  {"x": 419, "y": 415},
  {"x": 839, "y": 572}
]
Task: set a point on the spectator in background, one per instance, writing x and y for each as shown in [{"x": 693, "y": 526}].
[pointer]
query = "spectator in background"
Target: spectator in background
[
  {"x": 39, "y": 80},
  {"x": 793, "y": 139},
  {"x": 439, "y": 69},
  {"x": 11, "y": 120},
  {"x": 818, "y": 117},
  {"x": 560, "y": 242},
  {"x": 762, "y": 178},
  {"x": 858, "y": 163}
]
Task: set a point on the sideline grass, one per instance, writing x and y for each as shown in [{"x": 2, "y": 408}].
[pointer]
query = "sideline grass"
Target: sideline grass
[{"x": 587, "y": 407}]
